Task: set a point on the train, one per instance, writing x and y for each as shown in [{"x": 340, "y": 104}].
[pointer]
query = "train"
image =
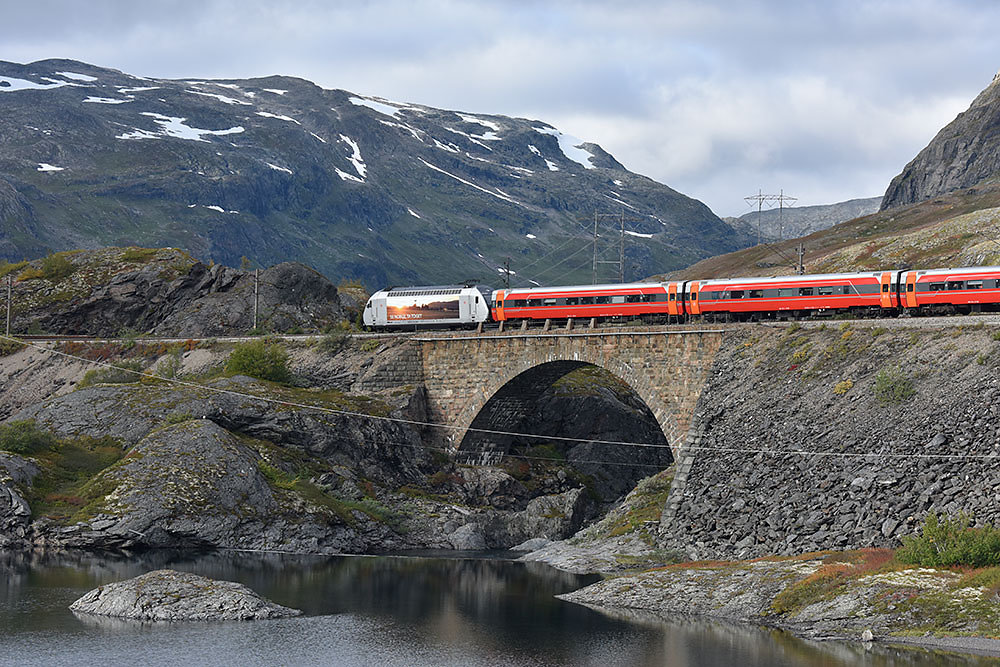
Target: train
[{"x": 862, "y": 294}]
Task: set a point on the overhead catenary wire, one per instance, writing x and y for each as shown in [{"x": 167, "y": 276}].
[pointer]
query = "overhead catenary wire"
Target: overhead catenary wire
[{"x": 621, "y": 443}]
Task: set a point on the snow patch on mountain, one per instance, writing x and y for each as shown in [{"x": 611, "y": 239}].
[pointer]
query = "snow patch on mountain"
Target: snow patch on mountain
[
  {"x": 221, "y": 98},
  {"x": 356, "y": 159},
  {"x": 78, "y": 77},
  {"x": 277, "y": 168},
  {"x": 44, "y": 166},
  {"x": 639, "y": 235},
  {"x": 9, "y": 84},
  {"x": 381, "y": 107},
  {"x": 499, "y": 195},
  {"x": 344, "y": 176},
  {"x": 413, "y": 213},
  {"x": 274, "y": 91},
  {"x": 570, "y": 146},
  {"x": 140, "y": 89},
  {"x": 289, "y": 119},
  {"x": 105, "y": 100},
  {"x": 414, "y": 132},
  {"x": 176, "y": 128},
  {"x": 479, "y": 121}
]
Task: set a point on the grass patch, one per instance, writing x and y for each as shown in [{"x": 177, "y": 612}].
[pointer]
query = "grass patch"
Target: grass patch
[
  {"x": 832, "y": 577},
  {"x": 66, "y": 490},
  {"x": 139, "y": 254},
  {"x": 644, "y": 504},
  {"x": 10, "y": 347},
  {"x": 122, "y": 372},
  {"x": 893, "y": 386}
]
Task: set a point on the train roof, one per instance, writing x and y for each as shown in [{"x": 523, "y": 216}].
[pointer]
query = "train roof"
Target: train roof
[
  {"x": 435, "y": 288},
  {"x": 584, "y": 288}
]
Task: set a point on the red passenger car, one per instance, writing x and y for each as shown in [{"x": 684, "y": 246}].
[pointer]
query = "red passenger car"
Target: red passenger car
[{"x": 634, "y": 300}]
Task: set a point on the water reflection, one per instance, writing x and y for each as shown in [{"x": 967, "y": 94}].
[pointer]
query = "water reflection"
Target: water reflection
[{"x": 383, "y": 611}]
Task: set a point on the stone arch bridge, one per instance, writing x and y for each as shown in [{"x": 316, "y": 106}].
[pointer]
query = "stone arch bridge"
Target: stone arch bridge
[{"x": 491, "y": 381}]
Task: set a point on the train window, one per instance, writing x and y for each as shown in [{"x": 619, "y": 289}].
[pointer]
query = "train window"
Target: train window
[
  {"x": 633, "y": 298},
  {"x": 885, "y": 287},
  {"x": 909, "y": 287},
  {"x": 937, "y": 287},
  {"x": 572, "y": 300},
  {"x": 618, "y": 299},
  {"x": 368, "y": 305},
  {"x": 660, "y": 297},
  {"x": 805, "y": 291},
  {"x": 694, "y": 296},
  {"x": 770, "y": 293},
  {"x": 736, "y": 294},
  {"x": 955, "y": 284},
  {"x": 866, "y": 289},
  {"x": 974, "y": 284},
  {"x": 548, "y": 302},
  {"x": 823, "y": 291},
  {"x": 603, "y": 299},
  {"x": 755, "y": 293},
  {"x": 673, "y": 297},
  {"x": 788, "y": 291}
]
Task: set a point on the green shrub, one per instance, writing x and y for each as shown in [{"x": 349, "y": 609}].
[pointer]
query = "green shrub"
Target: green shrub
[
  {"x": 122, "y": 372},
  {"x": 260, "y": 359},
  {"x": 892, "y": 385},
  {"x": 8, "y": 346},
  {"x": 24, "y": 437},
  {"x": 946, "y": 541},
  {"x": 56, "y": 267}
]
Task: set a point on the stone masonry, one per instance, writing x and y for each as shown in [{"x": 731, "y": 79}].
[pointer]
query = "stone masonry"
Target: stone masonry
[{"x": 462, "y": 373}]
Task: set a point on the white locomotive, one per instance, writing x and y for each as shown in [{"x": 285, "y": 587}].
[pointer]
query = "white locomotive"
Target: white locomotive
[{"x": 446, "y": 306}]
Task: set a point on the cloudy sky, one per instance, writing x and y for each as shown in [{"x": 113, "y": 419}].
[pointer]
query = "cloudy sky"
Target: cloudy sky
[{"x": 826, "y": 100}]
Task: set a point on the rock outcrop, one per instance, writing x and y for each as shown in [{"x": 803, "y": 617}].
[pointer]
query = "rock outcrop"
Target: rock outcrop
[
  {"x": 168, "y": 595},
  {"x": 165, "y": 292},
  {"x": 964, "y": 153},
  {"x": 15, "y": 515}
]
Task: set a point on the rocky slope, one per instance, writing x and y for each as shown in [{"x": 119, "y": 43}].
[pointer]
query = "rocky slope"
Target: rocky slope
[
  {"x": 965, "y": 153},
  {"x": 278, "y": 169},
  {"x": 795, "y": 221},
  {"x": 837, "y": 437}
]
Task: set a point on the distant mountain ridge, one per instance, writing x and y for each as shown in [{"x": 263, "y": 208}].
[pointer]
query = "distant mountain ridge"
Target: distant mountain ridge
[
  {"x": 278, "y": 169},
  {"x": 795, "y": 221},
  {"x": 965, "y": 153}
]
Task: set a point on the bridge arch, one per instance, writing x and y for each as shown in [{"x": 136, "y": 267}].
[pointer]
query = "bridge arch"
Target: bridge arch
[{"x": 665, "y": 368}]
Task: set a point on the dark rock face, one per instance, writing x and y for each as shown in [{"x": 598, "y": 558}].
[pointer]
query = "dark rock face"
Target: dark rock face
[
  {"x": 168, "y": 595},
  {"x": 15, "y": 515},
  {"x": 964, "y": 153},
  {"x": 172, "y": 295}
]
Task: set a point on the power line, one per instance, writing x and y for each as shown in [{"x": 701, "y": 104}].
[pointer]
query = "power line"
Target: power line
[
  {"x": 413, "y": 422},
  {"x": 761, "y": 199}
]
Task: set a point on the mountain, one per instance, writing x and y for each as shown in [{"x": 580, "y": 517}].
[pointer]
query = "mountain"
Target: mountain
[
  {"x": 278, "y": 169},
  {"x": 964, "y": 153},
  {"x": 789, "y": 223},
  {"x": 961, "y": 228}
]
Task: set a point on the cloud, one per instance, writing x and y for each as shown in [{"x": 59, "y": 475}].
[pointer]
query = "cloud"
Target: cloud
[{"x": 716, "y": 99}]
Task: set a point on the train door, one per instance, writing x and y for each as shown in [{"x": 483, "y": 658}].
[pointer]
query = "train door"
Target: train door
[
  {"x": 673, "y": 300},
  {"x": 693, "y": 305},
  {"x": 886, "y": 294},
  {"x": 911, "y": 289},
  {"x": 498, "y": 306}
]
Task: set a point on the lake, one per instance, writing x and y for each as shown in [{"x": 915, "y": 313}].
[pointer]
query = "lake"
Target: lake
[{"x": 475, "y": 610}]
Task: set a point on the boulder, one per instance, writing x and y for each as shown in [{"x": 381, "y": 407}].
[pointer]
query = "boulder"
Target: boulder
[{"x": 168, "y": 595}]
